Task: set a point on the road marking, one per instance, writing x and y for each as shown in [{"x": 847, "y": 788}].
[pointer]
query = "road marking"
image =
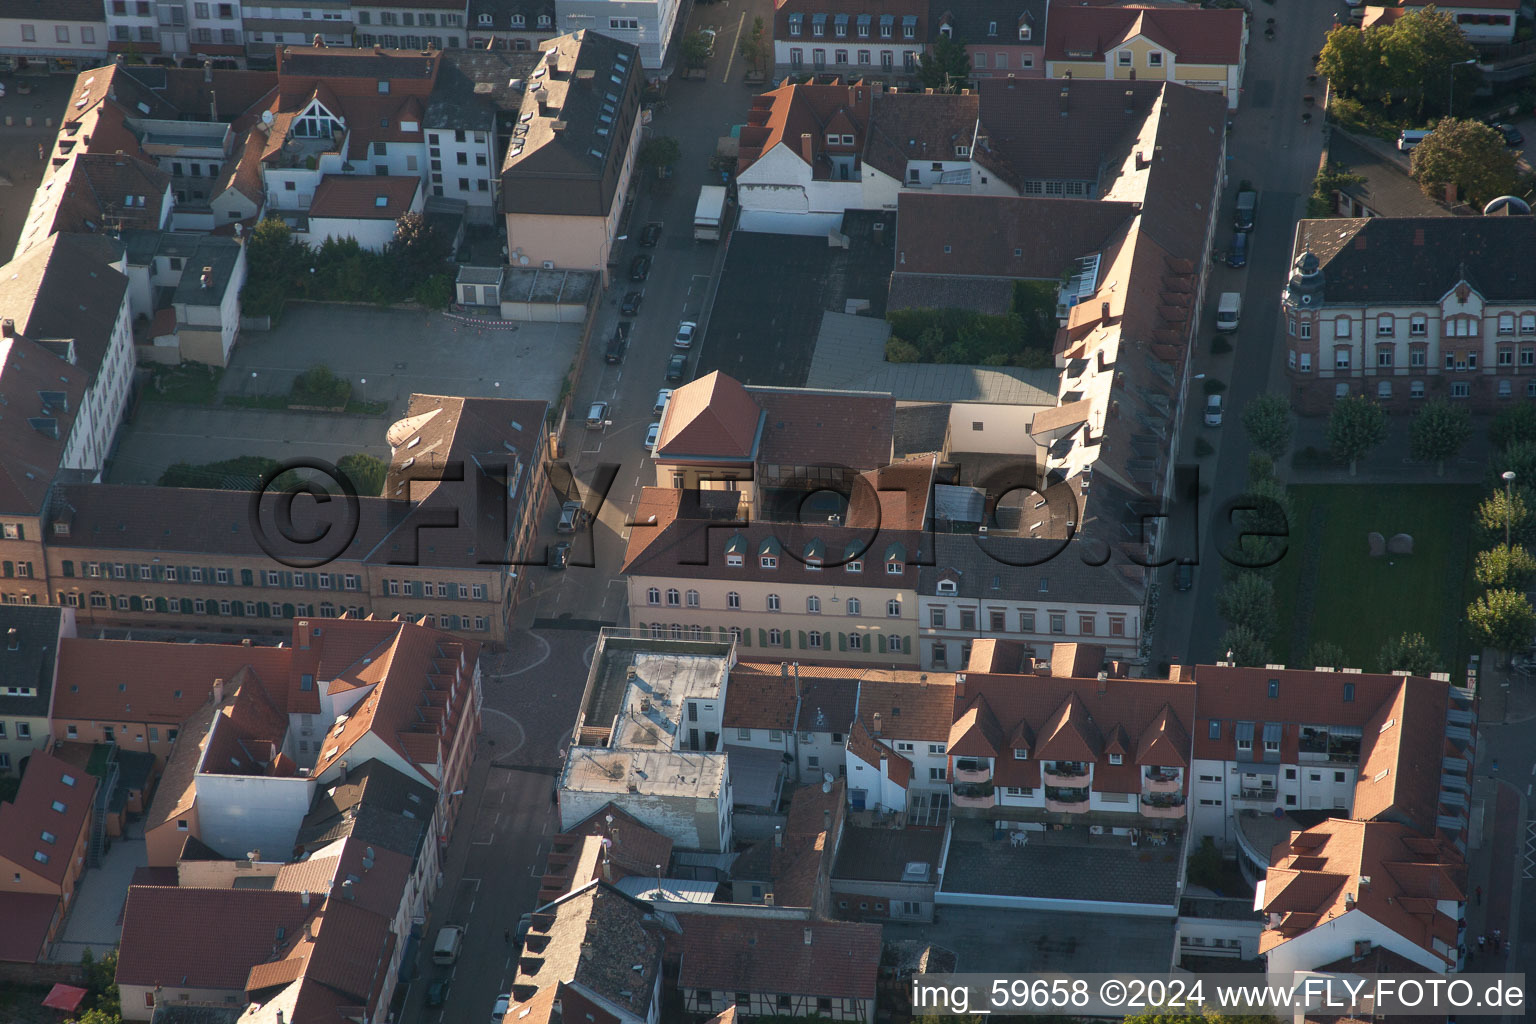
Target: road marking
[
  {"x": 517, "y": 672},
  {"x": 522, "y": 737},
  {"x": 1533, "y": 769},
  {"x": 735, "y": 42}
]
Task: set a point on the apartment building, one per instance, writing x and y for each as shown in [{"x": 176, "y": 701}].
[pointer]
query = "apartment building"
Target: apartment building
[
  {"x": 898, "y": 749},
  {"x": 770, "y": 967},
  {"x": 1002, "y": 40},
  {"x": 474, "y": 104},
  {"x": 271, "y": 26},
  {"x": 410, "y": 24},
  {"x": 1411, "y": 308},
  {"x": 30, "y": 641},
  {"x": 43, "y": 837},
  {"x": 883, "y": 41},
  {"x": 510, "y": 24},
  {"x": 1192, "y": 46},
  {"x": 58, "y": 38},
  {"x": 646, "y": 25},
  {"x": 569, "y": 164}
]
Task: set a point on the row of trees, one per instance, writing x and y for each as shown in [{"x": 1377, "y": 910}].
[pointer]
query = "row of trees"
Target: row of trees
[
  {"x": 1411, "y": 66},
  {"x": 1501, "y": 617}
]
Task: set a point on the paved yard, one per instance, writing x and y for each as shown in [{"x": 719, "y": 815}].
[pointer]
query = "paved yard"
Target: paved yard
[
  {"x": 998, "y": 941},
  {"x": 1096, "y": 867},
  {"x": 402, "y": 351},
  {"x": 96, "y": 919}
]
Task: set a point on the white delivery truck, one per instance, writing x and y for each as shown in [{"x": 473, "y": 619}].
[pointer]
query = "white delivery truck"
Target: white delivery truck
[{"x": 709, "y": 215}]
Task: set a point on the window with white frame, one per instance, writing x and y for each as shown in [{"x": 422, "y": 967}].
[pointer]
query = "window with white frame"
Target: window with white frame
[
  {"x": 1341, "y": 327},
  {"x": 1384, "y": 325},
  {"x": 1341, "y": 359},
  {"x": 1418, "y": 326},
  {"x": 773, "y": 602}
]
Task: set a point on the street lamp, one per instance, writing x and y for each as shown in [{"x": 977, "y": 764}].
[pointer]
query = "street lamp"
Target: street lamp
[
  {"x": 365, "y": 389},
  {"x": 1451, "y": 102},
  {"x": 1509, "y": 502}
]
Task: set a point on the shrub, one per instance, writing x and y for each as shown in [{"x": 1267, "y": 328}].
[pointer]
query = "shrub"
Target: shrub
[{"x": 319, "y": 386}]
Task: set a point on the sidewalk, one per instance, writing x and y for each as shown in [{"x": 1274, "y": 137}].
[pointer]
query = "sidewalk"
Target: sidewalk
[
  {"x": 1499, "y": 813},
  {"x": 1504, "y": 697}
]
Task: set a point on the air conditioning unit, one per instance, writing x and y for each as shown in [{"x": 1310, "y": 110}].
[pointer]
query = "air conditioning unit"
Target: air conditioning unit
[{"x": 549, "y": 264}]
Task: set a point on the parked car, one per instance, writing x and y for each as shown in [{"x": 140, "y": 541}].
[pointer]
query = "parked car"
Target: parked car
[
  {"x": 651, "y": 434},
  {"x": 640, "y": 268},
  {"x": 631, "y": 304},
  {"x": 662, "y": 398},
  {"x": 1213, "y": 410},
  {"x": 650, "y": 234},
  {"x": 1237, "y": 252},
  {"x": 572, "y": 517},
  {"x": 1184, "y": 576},
  {"x": 1512, "y": 136},
  {"x": 677, "y": 368},
  {"x": 560, "y": 556},
  {"x": 684, "y": 337},
  {"x": 500, "y": 1007},
  {"x": 597, "y": 415},
  {"x": 437, "y": 992},
  {"x": 523, "y": 924},
  {"x": 619, "y": 343},
  {"x": 708, "y": 35},
  {"x": 1246, "y": 208}
]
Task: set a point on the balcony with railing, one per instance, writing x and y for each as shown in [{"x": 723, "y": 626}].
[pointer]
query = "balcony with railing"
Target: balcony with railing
[
  {"x": 973, "y": 794},
  {"x": 1067, "y": 799},
  {"x": 1161, "y": 805},
  {"x": 1070, "y": 774},
  {"x": 1257, "y": 798},
  {"x": 1155, "y": 780},
  {"x": 973, "y": 769}
]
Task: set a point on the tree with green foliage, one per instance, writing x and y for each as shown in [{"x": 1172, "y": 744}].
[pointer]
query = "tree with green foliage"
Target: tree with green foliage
[
  {"x": 1513, "y": 425},
  {"x": 1351, "y": 61},
  {"x": 947, "y": 67},
  {"x": 1330, "y": 179},
  {"x": 1408, "y": 652},
  {"x": 756, "y": 47},
  {"x": 1419, "y": 58},
  {"x": 1269, "y": 513},
  {"x": 1205, "y": 865},
  {"x": 1468, "y": 154},
  {"x": 1248, "y": 600},
  {"x": 1438, "y": 431},
  {"x": 1499, "y": 567},
  {"x": 660, "y": 151},
  {"x": 238, "y": 474},
  {"x": 1356, "y": 427},
  {"x": 1268, "y": 423},
  {"x": 1245, "y": 647},
  {"x": 1501, "y": 510},
  {"x": 96, "y": 1017},
  {"x": 274, "y": 261},
  {"x": 1325, "y": 652},
  {"x": 101, "y": 995},
  {"x": 418, "y": 247},
  {"x": 695, "y": 51},
  {"x": 366, "y": 472},
  {"x": 1260, "y": 467},
  {"x": 1518, "y": 457},
  {"x": 1503, "y": 620}
]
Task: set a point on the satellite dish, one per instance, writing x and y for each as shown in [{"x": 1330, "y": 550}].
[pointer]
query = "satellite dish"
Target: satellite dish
[
  {"x": 826, "y": 787},
  {"x": 827, "y": 778},
  {"x": 267, "y": 118}
]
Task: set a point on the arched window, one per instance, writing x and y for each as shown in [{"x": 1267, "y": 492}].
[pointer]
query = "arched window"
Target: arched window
[
  {"x": 814, "y": 638},
  {"x": 854, "y": 606},
  {"x": 775, "y": 638},
  {"x": 893, "y": 607},
  {"x": 693, "y": 599},
  {"x": 813, "y": 604},
  {"x": 673, "y": 597}
]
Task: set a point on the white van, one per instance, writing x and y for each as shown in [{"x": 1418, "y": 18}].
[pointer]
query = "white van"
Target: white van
[
  {"x": 1228, "y": 310},
  {"x": 1409, "y": 138},
  {"x": 450, "y": 938}
]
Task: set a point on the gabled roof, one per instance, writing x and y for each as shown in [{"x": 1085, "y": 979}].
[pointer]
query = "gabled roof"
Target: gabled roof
[
  {"x": 713, "y": 417},
  {"x": 63, "y": 288},
  {"x": 1194, "y": 35},
  {"x": 788, "y": 114},
  {"x": 1420, "y": 259},
  {"x": 976, "y": 732},
  {"x": 176, "y": 936},
  {"x": 29, "y": 456},
  {"x": 872, "y": 751},
  {"x": 1069, "y": 734},
  {"x": 1402, "y": 755},
  {"x": 632, "y": 847},
  {"x": 107, "y": 680},
  {"x": 106, "y": 192},
  {"x": 377, "y": 804},
  {"x": 812, "y": 428},
  {"x": 821, "y": 959},
  {"x": 1015, "y": 237},
  {"x": 919, "y": 126},
  {"x": 35, "y": 631},
  {"x": 54, "y": 799},
  {"x": 597, "y": 940},
  {"x": 1164, "y": 742},
  {"x": 364, "y": 196}
]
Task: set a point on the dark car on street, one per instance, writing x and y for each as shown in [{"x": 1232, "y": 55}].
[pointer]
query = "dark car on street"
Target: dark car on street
[
  {"x": 1512, "y": 136},
  {"x": 677, "y": 368},
  {"x": 560, "y": 556},
  {"x": 1184, "y": 577},
  {"x": 650, "y": 234},
  {"x": 640, "y": 268},
  {"x": 619, "y": 343},
  {"x": 1237, "y": 252},
  {"x": 437, "y": 992},
  {"x": 631, "y": 303}
]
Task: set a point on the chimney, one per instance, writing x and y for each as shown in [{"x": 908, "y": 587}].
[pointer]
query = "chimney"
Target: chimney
[
  {"x": 207, "y": 71},
  {"x": 778, "y": 835},
  {"x": 317, "y": 42},
  {"x": 806, "y": 151},
  {"x": 368, "y": 858},
  {"x": 877, "y": 724},
  {"x": 1104, "y": 311},
  {"x": 12, "y": 640},
  {"x": 1450, "y": 193},
  {"x": 807, "y": 936},
  {"x": 309, "y": 930},
  {"x": 343, "y": 766},
  {"x": 218, "y": 691},
  {"x": 279, "y": 1017},
  {"x": 304, "y": 898},
  {"x": 826, "y": 820},
  {"x": 1103, "y": 683},
  {"x": 346, "y": 890},
  {"x": 959, "y": 684},
  {"x": 207, "y": 277},
  {"x": 1130, "y": 105},
  {"x": 303, "y": 634},
  {"x": 245, "y": 641},
  {"x": 7, "y": 328},
  {"x": 783, "y": 665}
]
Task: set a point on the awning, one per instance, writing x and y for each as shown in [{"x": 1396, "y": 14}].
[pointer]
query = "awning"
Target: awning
[
  {"x": 818, "y": 19},
  {"x": 1271, "y": 732},
  {"x": 909, "y": 19},
  {"x": 840, "y": 19},
  {"x": 1244, "y": 732},
  {"x": 887, "y": 19},
  {"x": 64, "y": 997},
  {"x": 864, "y": 19}
]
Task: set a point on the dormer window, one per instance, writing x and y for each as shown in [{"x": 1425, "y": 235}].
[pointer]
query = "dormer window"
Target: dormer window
[
  {"x": 1116, "y": 758},
  {"x": 833, "y": 138},
  {"x": 1021, "y": 753},
  {"x": 544, "y": 21},
  {"x": 485, "y": 20},
  {"x": 947, "y": 587},
  {"x": 855, "y": 566},
  {"x": 795, "y": 21},
  {"x": 894, "y": 568},
  {"x": 991, "y": 28},
  {"x": 947, "y": 31},
  {"x": 518, "y": 21},
  {"x": 1025, "y": 33},
  {"x": 733, "y": 559},
  {"x": 769, "y": 562}
]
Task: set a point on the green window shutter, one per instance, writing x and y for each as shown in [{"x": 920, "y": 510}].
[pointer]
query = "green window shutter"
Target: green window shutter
[
  {"x": 69, "y": 567},
  {"x": 842, "y": 641},
  {"x": 186, "y": 606},
  {"x": 801, "y": 638},
  {"x": 880, "y": 640},
  {"x": 21, "y": 531},
  {"x": 135, "y": 604},
  {"x": 246, "y": 579},
  {"x": 287, "y": 578},
  {"x": 789, "y": 640},
  {"x": 746, "y": 637},
  {"x": 211, "y": 607},
  {"x": 160, "y": 605},
  {"x": 263, "y": 609},
  {"x": 762, "y": 637},
  {"x": 288, "y": 611}
]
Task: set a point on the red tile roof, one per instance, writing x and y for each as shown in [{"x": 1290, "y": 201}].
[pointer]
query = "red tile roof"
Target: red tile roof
[
  {"x": 54, "y": 799},
  {"x": 809, "y": 428},
  {"x": 713, "y": 417},
  {"x": 1402, "y": 754},
  {"x": 633, "y": 848},
  {"x": 209, "y": 937},
  {"x": 760, "y": 696},
  {"x": 1380, "y": 869},
  {"x": 872, "y": 751},
  {"x": 1194, "y": 35},
  {"x": 787, "y": 114},
  {"x": 364, "y": 196},
  {"x": 27, "y": 917},
  {"x": 145, "y": 681},
  {"x": 729, "y": 954}
]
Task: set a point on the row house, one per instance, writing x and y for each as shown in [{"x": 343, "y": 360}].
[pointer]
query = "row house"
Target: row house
[
  {"x": 29, "y": 670},
  {"x": 410, "y": 24},
  {"x": 1405, "y": 308},
  {"x": 177, "y": 29},
  {"x": 44, "y": 833},
  {"x": 268, "y": 27},
  {"x": 792, "y": 870},
  {"x": 66, "y": 35},
  {"x": 1062, "y": 746},
  {"x": 510, "y": 24},
  {"x": 471, "y": 115},
  {"x": 765, "y": 967},
  {"x": 1193, "y": 46},
  {"x": 112, "y": 558},
  {"x": 897, "y": 756},
  {"x": 803, "y": 712},
  {"x": 571, "y": 158},
  {"x": 886, "y": 41},
  {"x": 184, "y": 290},
  {"x": 1002, "y": 40}
]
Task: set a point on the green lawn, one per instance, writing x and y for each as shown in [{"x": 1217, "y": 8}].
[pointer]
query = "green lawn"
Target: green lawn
[
  {"x": 1329, "y": 588},
  {"x": 188, "y": 384}
]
